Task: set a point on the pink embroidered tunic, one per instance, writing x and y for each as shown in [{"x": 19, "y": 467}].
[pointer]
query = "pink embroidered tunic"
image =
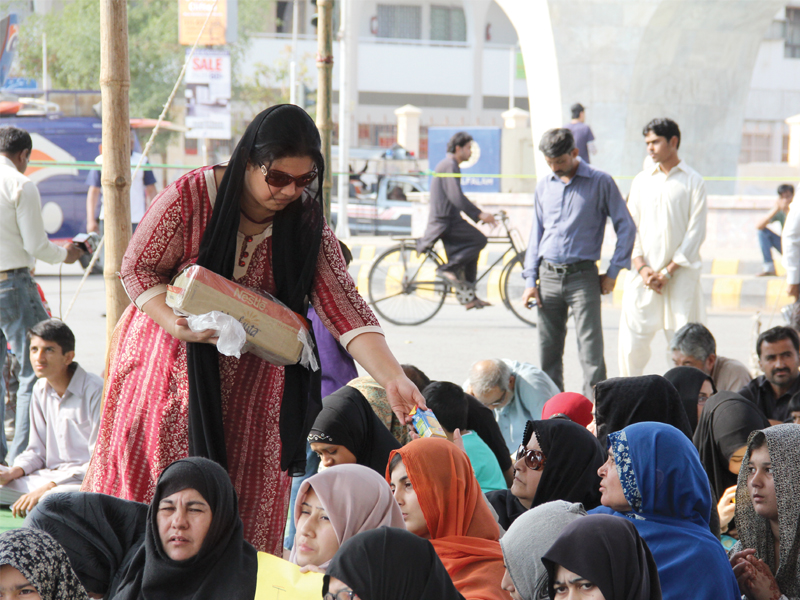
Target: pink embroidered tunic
[{"x": 144, "y": 424}]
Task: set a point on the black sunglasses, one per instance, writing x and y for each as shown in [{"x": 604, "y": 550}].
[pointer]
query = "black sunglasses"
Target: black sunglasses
[
  {"x": 534, "y": 459},
  {"x": 280, "y": 179}
]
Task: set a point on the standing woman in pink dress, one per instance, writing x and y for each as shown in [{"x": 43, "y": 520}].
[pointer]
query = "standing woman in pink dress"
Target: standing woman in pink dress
[{"x": 169, "y": 393}]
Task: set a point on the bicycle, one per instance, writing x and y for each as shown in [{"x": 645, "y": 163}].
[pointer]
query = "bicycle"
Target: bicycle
[{"x": 405, "y": 289}]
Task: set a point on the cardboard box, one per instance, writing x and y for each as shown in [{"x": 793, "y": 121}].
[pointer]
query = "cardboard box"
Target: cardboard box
[{"x": 271, "y": 328}]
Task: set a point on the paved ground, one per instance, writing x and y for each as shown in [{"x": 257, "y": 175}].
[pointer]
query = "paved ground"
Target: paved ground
[{"x": 444, "y": 347}]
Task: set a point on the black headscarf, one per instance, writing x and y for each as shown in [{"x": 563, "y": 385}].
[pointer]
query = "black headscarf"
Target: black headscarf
[
  {"x": 391, "y": 564},
  {"x": 727, "y": 421},
  {"x": 283, "y": 130},
  {"x": 99, "y": 533},
  {"x": 573, "y": 457},
  {"x": 42, "y": 562},
  {"x": 226, "y": 566},
  {"x": 623, "y": 401},
  {"x": 688, "y": 381},
  {"x": 347, "y": 419},
  {"x": 608, "y": 551}
]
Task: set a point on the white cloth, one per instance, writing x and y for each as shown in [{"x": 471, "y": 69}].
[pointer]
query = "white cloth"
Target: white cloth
[
  {"x": 63, "y": 429},
  {"x": 670, "y": 215},
  {"x": 22, "y": 235},
  {"x": 790, "y": 245},
  {"x": 138, "y": 197}
]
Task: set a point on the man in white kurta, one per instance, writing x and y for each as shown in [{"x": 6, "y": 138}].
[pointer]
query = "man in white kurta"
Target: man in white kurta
[{"x": 662, "y": 291}]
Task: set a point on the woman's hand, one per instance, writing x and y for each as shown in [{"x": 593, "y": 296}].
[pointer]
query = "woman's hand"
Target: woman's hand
[
  {"x": 755, "y": 578},
  {"x": 403, "y": 397},
  {"x": 726, "y": 507},
  {"x": 181, "y": 331}
]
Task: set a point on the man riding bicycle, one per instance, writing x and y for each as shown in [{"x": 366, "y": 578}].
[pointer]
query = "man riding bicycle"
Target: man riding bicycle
[{"x": 462, "y": 242}]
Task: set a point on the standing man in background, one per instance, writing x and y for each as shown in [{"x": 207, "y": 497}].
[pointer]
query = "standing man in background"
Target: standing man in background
[
  {"x": 23, "y": 240},
  {"x": 462, "y": 242},
  {"x": 143, "y": 191},
  {"x": 584, "y": 138},
  {"x": 571, "y": 206},
  {"x": 662, "y": 291}
]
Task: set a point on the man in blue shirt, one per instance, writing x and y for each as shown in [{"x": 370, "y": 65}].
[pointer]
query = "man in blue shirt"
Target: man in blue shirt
[
  {"x": 571, "y": 206},
  {"x": 584, "y": 138}
]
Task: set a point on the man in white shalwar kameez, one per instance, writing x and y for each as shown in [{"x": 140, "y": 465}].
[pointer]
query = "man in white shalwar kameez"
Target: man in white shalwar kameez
[{"x": 662, "y": 291}]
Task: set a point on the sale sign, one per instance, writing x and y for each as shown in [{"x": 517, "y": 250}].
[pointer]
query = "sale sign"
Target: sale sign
[{"x": 208, "y": 95}]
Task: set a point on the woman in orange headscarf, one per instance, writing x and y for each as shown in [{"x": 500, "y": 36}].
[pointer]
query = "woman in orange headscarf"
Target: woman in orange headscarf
[{"x": 433, "y": 482}]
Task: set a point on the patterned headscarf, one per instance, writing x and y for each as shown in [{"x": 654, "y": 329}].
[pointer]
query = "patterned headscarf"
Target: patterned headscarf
[
  {"x": 755, "y": 532},
  {"x": 42, "y": 562}
]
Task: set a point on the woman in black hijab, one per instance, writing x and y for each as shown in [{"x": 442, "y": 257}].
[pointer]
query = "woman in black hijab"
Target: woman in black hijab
[
  {"x": 388, "y": 564},
  {"x": 694, "y": 387},
  {"x": 567, "y": 470},
  {"x": 197, "y": 555},
  {"x": 623, "y": 401},
  {"x": 606, "y": 552},
  {"x": 727, "y": 421},
  {"x": 348, "y": 422}
]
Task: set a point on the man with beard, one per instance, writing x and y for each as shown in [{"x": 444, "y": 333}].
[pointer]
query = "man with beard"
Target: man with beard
[
  {"x": 571, "y": 206},
  {"x": 778, "y": 357}
]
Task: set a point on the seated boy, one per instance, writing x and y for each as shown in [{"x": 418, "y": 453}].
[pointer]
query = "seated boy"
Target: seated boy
[
  {"x": 65, "y": 417},
  {"x": 449, "y": 403}
]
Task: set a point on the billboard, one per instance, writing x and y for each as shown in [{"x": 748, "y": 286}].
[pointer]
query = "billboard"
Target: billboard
[
  {"x": 485, "y": 159},
  {"x": 192, "y": 14},
  {"x": 208, "y": 95}
]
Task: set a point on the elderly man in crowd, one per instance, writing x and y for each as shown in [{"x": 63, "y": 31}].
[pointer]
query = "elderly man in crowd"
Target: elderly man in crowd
[
  {"x": 779, "y": 357},
  {"x": 694, "y": 346},
  {"x": 515, "y": 391}
]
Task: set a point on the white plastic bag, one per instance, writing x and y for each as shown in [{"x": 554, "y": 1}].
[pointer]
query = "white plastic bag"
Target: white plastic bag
[{"x": 231, "y": 333}]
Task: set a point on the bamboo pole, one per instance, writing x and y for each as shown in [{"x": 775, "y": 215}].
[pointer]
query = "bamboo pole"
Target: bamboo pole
[
  {"x": 324, "y": 78},
  {"x": 115, "y": 82}
]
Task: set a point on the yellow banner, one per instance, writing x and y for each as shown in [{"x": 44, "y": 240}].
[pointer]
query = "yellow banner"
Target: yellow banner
[
  {"x": 191, "y": 16},
  {"x": 279, "y": 579}
]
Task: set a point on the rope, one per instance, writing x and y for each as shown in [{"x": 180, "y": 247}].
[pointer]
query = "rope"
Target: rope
[{"x": 145, "y": 152}]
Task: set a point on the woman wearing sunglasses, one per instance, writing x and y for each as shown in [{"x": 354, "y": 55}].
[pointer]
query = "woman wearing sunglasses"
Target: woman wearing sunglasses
[
  {"x": 558, "y": 460},
  {"x": 169, "y": 393}
]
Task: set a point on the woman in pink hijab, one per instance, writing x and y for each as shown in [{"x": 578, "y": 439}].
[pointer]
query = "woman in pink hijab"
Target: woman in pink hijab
[
  {"x": 336, "y": 504},
  {"x": 569, "y": 404}
]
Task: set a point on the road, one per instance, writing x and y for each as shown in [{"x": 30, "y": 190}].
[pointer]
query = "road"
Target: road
[{"x": 444, "y": 347}]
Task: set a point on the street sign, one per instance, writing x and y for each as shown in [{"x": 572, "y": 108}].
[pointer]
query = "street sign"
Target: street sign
[
  {"x": 208, "y": 95},
  {"x": 192, "y": 14}
]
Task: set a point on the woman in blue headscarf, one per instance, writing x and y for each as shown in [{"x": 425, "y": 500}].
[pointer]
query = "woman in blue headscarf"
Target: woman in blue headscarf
[{"x": 654, "y": 477}]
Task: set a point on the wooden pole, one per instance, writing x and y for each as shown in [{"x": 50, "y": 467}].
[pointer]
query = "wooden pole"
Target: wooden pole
[
  {"x": 324, "y": 71},
  {"x": 115, "y": 81}
]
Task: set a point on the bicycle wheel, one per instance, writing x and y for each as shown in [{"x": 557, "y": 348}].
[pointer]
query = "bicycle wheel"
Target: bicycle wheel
[
  {"x": 513, "y": 285},
  {"x": 404, "y": 288}
]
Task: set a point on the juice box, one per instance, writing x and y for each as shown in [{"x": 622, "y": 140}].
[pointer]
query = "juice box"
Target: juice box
[{"x": 426, "y": 423}]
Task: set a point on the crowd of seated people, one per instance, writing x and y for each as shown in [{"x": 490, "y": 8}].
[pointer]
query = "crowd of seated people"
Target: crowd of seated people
[{"x": 658, "y": 487}]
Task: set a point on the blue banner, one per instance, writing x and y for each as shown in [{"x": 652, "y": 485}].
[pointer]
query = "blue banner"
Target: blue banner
[{"x": 485, "y": 159}]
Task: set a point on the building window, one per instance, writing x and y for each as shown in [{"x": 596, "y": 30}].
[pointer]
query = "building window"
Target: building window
[
  {"x": 756, "y": 142},
  {"x": 448, "y": 24},
  {"x": 792, "y": 33},
  {"x": 400, "y": 22}
]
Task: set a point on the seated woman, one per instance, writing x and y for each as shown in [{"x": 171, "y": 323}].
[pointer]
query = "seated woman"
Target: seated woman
[
  {"x": 525, "y": 543},
  {"x": 558, "y": 460},
  {"x": 653, "y": 476},
  {"x": 440, "y": 499},
  {"x": 727, "y": 421},
  {"x": 765, "y": 560},
  {"x": 346, "y": 431},
  {"x": 387, "y": 564},
  {"x": 33, "y": 565},
  {"x": 576, "y": 407},
  {"x": 336, "y": 504},
  {"x": 192, "y": 546},
  {"x": 694, "y": 388},
  {"x": 379, "y": 402},
  {"x": 602, "y": 558},
  {"x": 622, "y": 401}
]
